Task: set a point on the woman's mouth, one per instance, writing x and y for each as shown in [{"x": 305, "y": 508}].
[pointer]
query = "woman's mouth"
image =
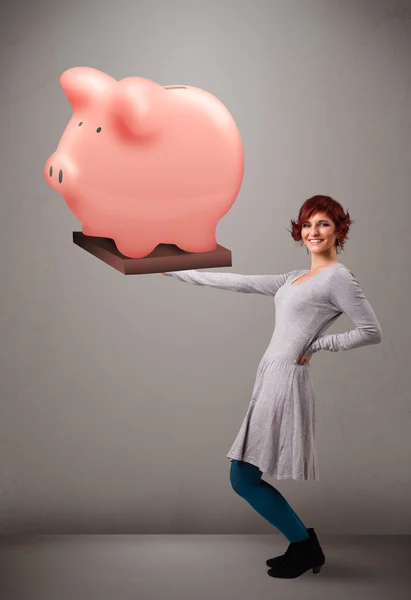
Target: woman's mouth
[{"x": 315, "y": 242}]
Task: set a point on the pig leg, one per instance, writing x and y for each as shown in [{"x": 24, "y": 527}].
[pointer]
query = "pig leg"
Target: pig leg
[
  {"x": 93, "y": 231},
  {"x": 199, "y": 237},
  {"x": 135, "y": 244},
  {"x": 99, "y": 230}
]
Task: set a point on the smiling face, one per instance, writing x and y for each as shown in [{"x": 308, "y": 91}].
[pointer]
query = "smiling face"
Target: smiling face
[{"x": 320, "y": 227}]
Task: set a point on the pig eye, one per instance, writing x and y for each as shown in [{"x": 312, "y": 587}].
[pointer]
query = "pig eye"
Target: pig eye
[
  {"x": 98, "y": 129},
  {"x": 80, "y": 124}
]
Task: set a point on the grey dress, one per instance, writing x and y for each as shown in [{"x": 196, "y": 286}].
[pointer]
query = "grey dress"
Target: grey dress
[{"x": 278, "y": 431}]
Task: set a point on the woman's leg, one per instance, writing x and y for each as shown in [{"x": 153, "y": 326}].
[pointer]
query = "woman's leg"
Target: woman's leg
[{"x": 266, "y": 500}]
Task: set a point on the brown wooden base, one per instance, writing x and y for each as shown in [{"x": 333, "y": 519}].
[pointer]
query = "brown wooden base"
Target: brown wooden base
[{"x": 164, "y": 258}]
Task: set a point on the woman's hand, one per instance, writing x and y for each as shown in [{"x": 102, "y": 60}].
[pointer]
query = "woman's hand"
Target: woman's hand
[{"x": 304, "y": 358}]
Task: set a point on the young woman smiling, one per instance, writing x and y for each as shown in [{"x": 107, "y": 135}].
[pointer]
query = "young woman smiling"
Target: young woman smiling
[{"x": 277, "y": 435}]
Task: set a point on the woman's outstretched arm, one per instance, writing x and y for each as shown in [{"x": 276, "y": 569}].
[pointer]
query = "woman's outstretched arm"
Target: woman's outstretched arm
[{"x": 233, "y": 282}]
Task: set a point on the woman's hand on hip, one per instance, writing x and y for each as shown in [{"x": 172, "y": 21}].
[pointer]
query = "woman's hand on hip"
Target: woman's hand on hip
[{"x": 304, "y": 359}]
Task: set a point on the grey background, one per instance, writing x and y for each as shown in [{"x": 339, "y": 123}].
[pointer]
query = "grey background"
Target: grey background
[{"x": 120, "y": 396}]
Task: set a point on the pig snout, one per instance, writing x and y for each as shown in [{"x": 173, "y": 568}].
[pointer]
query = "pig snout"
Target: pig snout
[{"x": 57, "y": 172}]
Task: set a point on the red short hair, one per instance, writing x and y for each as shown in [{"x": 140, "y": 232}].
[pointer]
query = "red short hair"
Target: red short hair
[{"x": 333, "y": 209}]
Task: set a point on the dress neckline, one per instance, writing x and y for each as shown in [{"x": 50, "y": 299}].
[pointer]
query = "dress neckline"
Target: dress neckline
[{"x": 292, "y": 281}]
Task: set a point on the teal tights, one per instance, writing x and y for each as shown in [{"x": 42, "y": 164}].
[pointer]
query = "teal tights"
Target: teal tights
[{"x": 266, "y": 500}]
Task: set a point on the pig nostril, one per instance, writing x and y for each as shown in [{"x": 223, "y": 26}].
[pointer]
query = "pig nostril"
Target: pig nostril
[
  {"x": 60, "y": 176},
  {"x": 51, "y": 171}
]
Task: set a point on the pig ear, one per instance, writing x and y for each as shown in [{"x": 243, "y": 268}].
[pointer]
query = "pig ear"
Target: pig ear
[
  {"x": 82, "y": 85},
  {"x": 139, "y": 107}
]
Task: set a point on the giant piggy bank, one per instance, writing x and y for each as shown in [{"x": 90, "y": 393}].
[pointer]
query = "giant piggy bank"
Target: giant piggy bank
[{"x": 145, "y": 164}]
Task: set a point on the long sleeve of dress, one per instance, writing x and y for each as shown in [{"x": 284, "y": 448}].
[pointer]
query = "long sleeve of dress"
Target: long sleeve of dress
[
  {"x": 347, "y": 297},
  {"x": 248, "y": 284}
]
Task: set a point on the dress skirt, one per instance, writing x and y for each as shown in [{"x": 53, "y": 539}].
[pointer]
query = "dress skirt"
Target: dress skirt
[{"x": 277, "y": 434}]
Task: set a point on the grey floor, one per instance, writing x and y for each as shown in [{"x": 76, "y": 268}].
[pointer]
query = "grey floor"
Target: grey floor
[{"x": 196, "y": 567}]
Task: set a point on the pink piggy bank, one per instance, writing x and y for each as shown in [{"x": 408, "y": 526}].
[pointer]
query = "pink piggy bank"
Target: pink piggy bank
[{"x": 145, "y": 164}]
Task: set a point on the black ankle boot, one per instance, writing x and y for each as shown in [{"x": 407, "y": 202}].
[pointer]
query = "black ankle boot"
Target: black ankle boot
[
  {"x": 278, "y": 560},
  {"x": 299, "y": 558}
]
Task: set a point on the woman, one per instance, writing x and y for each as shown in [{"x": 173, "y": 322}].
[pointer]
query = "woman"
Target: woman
[{"x": 277, "y": 435}]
